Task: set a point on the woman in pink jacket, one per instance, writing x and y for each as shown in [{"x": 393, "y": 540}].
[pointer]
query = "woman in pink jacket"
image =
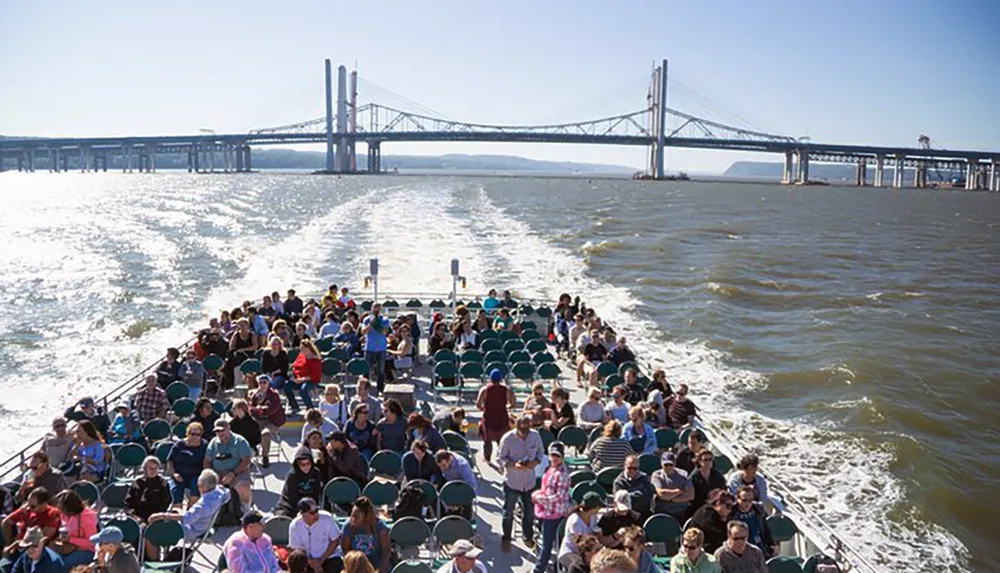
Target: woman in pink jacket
[
  {"x": 79, "y": 522},
  {"x": 552, "y": 502}
]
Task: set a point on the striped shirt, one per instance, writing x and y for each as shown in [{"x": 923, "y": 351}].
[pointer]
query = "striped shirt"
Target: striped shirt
[{"x": 609, "y": 452}]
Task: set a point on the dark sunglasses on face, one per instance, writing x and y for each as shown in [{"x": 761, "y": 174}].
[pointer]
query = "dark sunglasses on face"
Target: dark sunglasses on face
[{"x": 690, "y": 547}]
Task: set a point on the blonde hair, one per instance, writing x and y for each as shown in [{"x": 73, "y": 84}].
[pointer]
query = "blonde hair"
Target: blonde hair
[
  {"x": 694, "y": 536},
  {"x": 612, "y": 561},
  {"x": 637, "y": 410},
  {"x": 357, "y": 562},
  {"x": 194, "y": 426}
]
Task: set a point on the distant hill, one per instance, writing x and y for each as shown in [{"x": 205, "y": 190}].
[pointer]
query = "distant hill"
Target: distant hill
[{"x": 291, "y": 159}]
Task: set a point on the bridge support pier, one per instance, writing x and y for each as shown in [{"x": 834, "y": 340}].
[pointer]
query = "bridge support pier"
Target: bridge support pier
[
  {"x": 861, "y": 173},
  {"x": 994, "y": 183},
  {"x": 55, "y": 160},
  {"x": 879, "y": 170},
  {"x": 374, "y": 157},
  {"x": 802, "y": 177},
  {"x": 787, "y": 169},
  {"x": 239, "y": 158},
  {"x": 920, "y": 175},
  {"x": 897, "y": 173},
  {"x": 65, "y": 162},
  {"x": 151, "y": 151},
  {"x": 31, "y": 160},
  {"x": 972, "y": 175},
  {"x": 246, "y": 160}
]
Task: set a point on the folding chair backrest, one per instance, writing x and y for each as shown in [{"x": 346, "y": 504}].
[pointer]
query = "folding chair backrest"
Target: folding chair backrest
[
  {"x": 162, "y": 451},
  {"x": 277, "y": 529},
  {"x": 114, "y": 495},
  {"x": 451, "y": 529},
  {"x": 183, "y": 407},
  {"x": 212, "y": 362},
  {"x": 156, "y": 430},
  {"x": 341, "y": 490},
  {"x": 87, "y": 491},
  {"x": 409, "y": 532},
  {"x": 176, "y": 391},
  {"x": 386, "y": 463},
  {"x": 163, "y": 534},
  {"x": 131, "y": 529},
  {"x": 382, "y": 494}
]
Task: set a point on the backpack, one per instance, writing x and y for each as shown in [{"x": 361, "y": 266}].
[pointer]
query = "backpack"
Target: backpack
[
  {"x": 410, "y": 502},
  {"x": 232, "y": 512}
]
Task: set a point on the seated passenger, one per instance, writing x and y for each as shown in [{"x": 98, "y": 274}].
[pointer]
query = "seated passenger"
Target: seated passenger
[
  {"x": 657, "y": 413},
  {"x": 634, "y": 392},
  {"x": 618, "y": 408},
  {"x": 198, "y": 518},
  {"x": 315, "y": 421},
  {"x": 151, "y": 400},
  {"x": 185, "y": 462},
  {"x": 34, "y": 556},
  {"x": 150, "y": 493},
  {"x": 464, "y": 558},
  {"x": 126, "y": 427},
  {"x": 692, "y": 555},
  {"x": 204, "y": 413},
  {"x": 673, "y": 489},
  {"x": 36, "y": 513},
  {"x": 736, "y": 555},
  {"x": 303, "y": 481},
  {"x": 321, "y": 455},
  {"x": 591, "y": 357},
  {"x": 366, "y": 533},
  {"x": 637, "y": 484},
  {"x": 266, "y": 409},
  {"x": 390, "y": 431},
  {"x": 592, "y": 413},
  {"x": 360, "y": 431},
  {"x": 346, "y": 459},
  {"x": 638, "y": 433},
  {"x": 450, "y": 421},
  {"x": 418, "y": 463},
  {"x": 748, "y": 476},
  {"x": 348, "y": 339},
  {"x": 754, "y": 516},
  {"x": 455, "y": 467},
  {"x": 579, "y": 561},
  {"x": 681, "y": 410},
  {"x": 316, "y": 533},
  {"x": 562, "y": 411},
  {"x": 634, "y": 544},
  {"x": 705, "y": 479},
  {"x": 169, "y": 370},
  {"x": 90, "y": 453},
  {"x": 660, "y": 383},
  {"x": 620, "y": 517},
  {"x": 363, "y": 396},
  {"x": 249, "y": 550},
  {"x": 193, "y": 374},
  {"x": 41, "y": 474},
  {"x": 86, "y": 409},
  {"x": 80, "y": 523},
  {"x": 621, "y": 353},
  {"x": 57, "y": 443},
  {"x": 112, "y": 556},
  {"x": 420, "y": 428},
  {"x": 687, "y": 457},
  {"x": 712, "y": 517},
  {"x": 609, "y": 450},
  {"x": 229, "y": 456},
  {"x": 538, "y": 406},
  {"x": 334, "y": 408}
]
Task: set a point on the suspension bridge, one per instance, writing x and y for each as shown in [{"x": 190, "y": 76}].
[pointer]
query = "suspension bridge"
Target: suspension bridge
[{"x": 346, "y": 124}]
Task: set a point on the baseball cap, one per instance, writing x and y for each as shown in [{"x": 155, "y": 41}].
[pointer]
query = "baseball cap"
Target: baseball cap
[
  {"x": 110, "y": 534},
  {"x": 623, "y": 502},
  {"x": 592, "y": 499},
  {"x": 496, "y": 375},
  {"x": 221, "y": 424},
  {"x": 307, "y": 504},
  {"x": 251, "y": 517},
  {"x": 668, "y": 459}
]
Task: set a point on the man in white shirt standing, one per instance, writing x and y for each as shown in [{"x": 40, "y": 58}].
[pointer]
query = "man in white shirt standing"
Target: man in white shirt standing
[{"x": 316, "y": 532}]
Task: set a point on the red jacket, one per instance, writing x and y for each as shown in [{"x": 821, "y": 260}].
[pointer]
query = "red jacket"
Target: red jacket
[{"x": 308, "y": 368}]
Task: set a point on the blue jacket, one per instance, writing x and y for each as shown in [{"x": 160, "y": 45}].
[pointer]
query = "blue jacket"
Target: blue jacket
[
  {"x": 649, "y": 438},
  {"x": 50, "y": 562}
]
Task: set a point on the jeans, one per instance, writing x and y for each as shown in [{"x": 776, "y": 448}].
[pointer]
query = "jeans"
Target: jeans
[
  {"x": 376, "y": 367},
  {"x": 549, "y": 527},
  {"x": 288, "y": 386},
  {"x": 510, "y": 499},
  {"x": 194, "y": 392},
  {"x": 78, "y": 557}
]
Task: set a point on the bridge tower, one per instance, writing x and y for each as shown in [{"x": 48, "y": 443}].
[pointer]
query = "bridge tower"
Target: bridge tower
[
  {"x": 657, "y": 100},
  {"x": 329, "y": 118}
]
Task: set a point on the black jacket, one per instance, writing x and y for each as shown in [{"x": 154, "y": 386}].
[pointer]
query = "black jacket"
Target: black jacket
[
  {"x": 147, "y": 496},
  {"x": 100, "y": 419},
  {"x": 299, "y": 485},
  {"x": 712, "y": 525}
]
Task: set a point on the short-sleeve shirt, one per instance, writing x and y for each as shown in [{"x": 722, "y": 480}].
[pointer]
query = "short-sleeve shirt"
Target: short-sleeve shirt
[
  {"x": 661, "y": 480},
  {"x": 375, "y": 339},
  {"x": 225, "y": 457},
  {"x": 612, "y": 521},
  {"x": 567, "y": 412},
  {"x": 188, "y": 460}
]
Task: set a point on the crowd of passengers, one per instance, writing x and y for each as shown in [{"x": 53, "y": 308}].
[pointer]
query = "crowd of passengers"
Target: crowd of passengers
[{"x": 208, "y": 470}]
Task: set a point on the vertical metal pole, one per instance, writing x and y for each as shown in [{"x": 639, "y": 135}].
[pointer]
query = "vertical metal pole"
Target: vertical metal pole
[
  {"x": 329, "y": 118},
  {"x": 661, "y": 129}
]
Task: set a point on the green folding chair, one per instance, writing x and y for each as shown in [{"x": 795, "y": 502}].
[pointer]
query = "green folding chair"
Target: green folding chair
[{"x": 176, "y": 391}]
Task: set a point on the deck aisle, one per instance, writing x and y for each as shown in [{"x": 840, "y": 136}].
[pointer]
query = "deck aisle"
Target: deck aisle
[{"x": 268, "y": 482}]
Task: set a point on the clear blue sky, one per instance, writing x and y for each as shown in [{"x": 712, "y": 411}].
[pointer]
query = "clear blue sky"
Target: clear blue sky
[{"x": 852, "y": 71}]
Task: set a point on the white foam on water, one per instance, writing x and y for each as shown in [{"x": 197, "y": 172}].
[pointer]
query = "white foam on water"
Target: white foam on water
[{"x": 845, "y": 482}]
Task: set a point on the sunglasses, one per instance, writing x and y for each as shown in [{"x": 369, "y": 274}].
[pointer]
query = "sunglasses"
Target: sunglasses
[
  {"x": 691, "y": 547},
  {"x": 738, "y": 537}
]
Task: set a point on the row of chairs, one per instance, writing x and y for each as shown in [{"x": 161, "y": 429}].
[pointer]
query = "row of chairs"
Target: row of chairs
[{"x": 342, "y": 491}]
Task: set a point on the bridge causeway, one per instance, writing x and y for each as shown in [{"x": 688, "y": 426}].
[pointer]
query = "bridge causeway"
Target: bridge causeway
[{"x": 345, "y": 124}]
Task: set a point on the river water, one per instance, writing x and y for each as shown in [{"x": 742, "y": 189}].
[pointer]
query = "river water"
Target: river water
[{"x": 849, "y": 335}]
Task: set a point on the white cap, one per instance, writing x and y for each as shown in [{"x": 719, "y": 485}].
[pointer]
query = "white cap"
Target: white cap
[{"x": 623, "y": 501}]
